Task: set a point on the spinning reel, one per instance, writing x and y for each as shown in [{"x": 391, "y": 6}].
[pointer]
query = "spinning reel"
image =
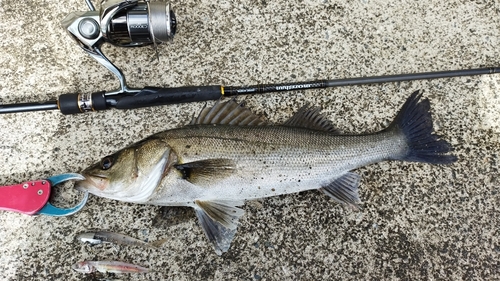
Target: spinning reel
[{"x": 129, "y": 23}]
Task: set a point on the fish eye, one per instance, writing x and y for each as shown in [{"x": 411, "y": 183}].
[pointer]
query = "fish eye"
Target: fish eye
[{"x": 106, "y": 162}]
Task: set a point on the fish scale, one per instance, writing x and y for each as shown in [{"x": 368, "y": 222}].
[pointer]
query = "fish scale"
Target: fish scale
[{"x": 223, "y": 159}]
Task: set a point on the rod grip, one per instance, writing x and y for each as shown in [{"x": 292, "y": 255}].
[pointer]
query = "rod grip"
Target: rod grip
[
  {"x": 153, "y": 96},
  {"x": 68, "y": 104}
]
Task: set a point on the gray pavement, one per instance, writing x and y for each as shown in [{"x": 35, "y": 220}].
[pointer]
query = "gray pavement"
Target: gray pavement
[{"x": 419, "y": 222}]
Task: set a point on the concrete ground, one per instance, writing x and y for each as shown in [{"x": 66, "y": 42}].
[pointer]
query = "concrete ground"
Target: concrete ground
[{"x": 419, "y": 222}]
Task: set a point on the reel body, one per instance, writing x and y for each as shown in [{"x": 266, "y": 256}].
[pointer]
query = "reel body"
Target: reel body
[
  {"x": 129, "y": 23},
  {"x": 123, "y": 23}
]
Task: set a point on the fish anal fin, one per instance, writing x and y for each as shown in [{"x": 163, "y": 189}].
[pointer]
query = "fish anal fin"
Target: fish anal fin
[
  {"x": 228, "y": 113},
  {"x": 345, "y": 190},
  {"x": 309, "y": 117},
  {"x": 219, "y": 220},
  {"x": 206, "y": 171}
]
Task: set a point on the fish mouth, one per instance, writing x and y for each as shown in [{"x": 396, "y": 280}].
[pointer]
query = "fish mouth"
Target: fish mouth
[{"x": 92, "y": 182}]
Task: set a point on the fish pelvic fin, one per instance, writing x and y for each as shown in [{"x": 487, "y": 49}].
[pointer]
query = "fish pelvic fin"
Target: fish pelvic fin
[
  {"x": 414, "y": 121},
  {"x": 345, "y": 190},
  {"x": 219, "y": 220}
]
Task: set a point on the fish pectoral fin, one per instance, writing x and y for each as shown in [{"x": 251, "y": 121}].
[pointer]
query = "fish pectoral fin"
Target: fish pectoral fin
[
  {"x": 206, "y": 172},
  {"x": 219, "y": 220},
  {"x": 309, "y": 117},
  {"x": 345, "y": 190}
]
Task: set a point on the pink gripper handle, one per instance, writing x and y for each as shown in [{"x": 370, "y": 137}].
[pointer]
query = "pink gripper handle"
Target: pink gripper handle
[{"x": 27, "y": 197}]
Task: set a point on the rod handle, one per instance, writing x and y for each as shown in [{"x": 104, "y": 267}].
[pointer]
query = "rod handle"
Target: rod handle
[{"x": 153, "y": 96}]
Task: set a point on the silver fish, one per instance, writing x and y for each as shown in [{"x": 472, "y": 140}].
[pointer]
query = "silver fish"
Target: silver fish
[
  {"x": 100, "y": 237},
  {"x": 228, "y": 155}
]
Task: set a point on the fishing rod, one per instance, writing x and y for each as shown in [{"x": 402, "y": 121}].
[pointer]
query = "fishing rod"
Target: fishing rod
[
  {"x": 154, "y": 96},
  {"x": 134, "y": 23}
]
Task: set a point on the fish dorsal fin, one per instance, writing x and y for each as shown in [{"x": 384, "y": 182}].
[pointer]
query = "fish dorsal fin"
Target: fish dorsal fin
[
  {"x": 206, "y": 172},
  {"x": 228, "y": 113},
  {"x": 345, "y": 190},
  {"x": 219, "y": 220},
  {"x": 310, "y": 117}
]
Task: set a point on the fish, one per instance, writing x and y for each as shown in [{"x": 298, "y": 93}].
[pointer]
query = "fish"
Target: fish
[
  {"x": 100, "y": 237},
  {"x": 228, "y": 155},
  {"x": 108, "y": 266}
]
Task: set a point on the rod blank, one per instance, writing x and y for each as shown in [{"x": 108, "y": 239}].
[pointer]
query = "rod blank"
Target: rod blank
[
  {"x": 260, "y": 89},
  {"x": 26, "y": 107}
]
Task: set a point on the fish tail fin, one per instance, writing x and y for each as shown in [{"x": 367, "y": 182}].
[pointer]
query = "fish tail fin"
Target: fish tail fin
[{"x": 414, "y": 121}]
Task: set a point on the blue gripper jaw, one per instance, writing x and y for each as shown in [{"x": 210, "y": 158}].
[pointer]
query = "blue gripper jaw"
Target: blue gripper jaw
[{"x": 51, "y": 210}]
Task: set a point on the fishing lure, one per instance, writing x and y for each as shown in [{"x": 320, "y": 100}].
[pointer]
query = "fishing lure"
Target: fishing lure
[
  {"x": 100, "y": 237},
  {"x": 108, "y": 267}
]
